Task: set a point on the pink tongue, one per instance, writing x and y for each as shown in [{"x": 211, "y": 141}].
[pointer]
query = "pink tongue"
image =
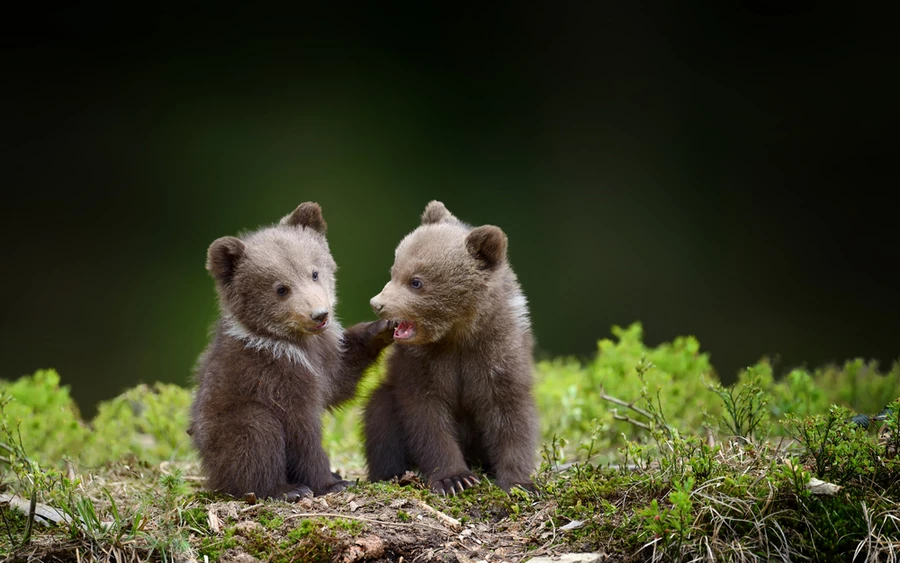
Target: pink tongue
[{"x": 404, "y": 330}]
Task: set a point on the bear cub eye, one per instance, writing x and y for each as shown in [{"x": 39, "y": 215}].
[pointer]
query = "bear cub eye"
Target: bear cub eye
[
  {"x": 415, "y": 283},
  {"x": 281, "y": 290},
  {"x": 315, "y": 276}
]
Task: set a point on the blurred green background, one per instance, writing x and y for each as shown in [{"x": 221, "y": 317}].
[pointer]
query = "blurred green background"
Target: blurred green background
[{"x": 715, "y": 173}]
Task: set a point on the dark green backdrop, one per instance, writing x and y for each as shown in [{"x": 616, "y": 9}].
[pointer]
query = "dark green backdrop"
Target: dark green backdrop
[{"x": 713, "y": 173}]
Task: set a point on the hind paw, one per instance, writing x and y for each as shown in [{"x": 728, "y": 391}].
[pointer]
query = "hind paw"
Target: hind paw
[
  {"x": 337, "y": 487},
  {"x": 454, "y": 484},
  {"x": 296, "y": 492},
  {"x": 527, "y": 486}
]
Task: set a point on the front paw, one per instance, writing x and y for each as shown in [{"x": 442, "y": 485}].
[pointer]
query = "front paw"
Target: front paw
[
  {"x": 453, "y": 484},
  {"x": 296, "y": 492},
  {"x": 381, "y": 334},
  {"x": 527, "y": 485},
  {"x": 337, "y": 487}
]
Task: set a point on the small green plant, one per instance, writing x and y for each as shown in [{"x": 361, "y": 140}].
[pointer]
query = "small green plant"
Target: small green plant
[
  {"x": 792, "y": 473},
  {"x": 890, "y": 434},
  {"x": 589, "y": 445},
  {"x": 745, "y": 405},
  {"x": 553, "y": 454},
  {"x": 835, "y": 446},
  {"x": 636, "y": 455},
  {"x": 670, "y": 525}
]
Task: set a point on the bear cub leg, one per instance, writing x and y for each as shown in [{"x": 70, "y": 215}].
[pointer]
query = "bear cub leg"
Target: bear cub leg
[
  {"x": 385, "y": 452},
  {"x": 246, "y": 453}
]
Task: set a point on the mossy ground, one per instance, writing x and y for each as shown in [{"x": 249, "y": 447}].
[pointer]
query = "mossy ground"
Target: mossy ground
[{"x": 645, "y": 456}]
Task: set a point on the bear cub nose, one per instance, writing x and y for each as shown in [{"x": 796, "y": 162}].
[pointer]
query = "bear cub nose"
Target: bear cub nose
[
  {"x": 319, "y": 315},
  {"x": 376, "y": 306}
]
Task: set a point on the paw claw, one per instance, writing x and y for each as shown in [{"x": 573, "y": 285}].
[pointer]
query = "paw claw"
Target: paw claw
[
  {"x": 338, "y": 487},
  {"x": 297, "y": 493},
  {"x": 454, "y": 484},
  {"x": 527, "y": 486}
]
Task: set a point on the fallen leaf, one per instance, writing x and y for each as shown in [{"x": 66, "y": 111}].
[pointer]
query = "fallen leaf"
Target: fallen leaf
[
  {"x": 573, "y": 525},
  {"x": 213, "y": 521},
  {"x": 819, "y": 487},
  {"x": 44, "y": 514}
]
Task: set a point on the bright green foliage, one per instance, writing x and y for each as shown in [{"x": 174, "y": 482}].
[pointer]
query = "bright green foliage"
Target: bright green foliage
[
  {"x": 584, "y": 406},
  {"x": 856, "y": 385},
  {"x": 796, "y": 393},
  {"x": 342, "y": 428},
  {"x": 42, "y": 412},
  {"x": 838, "y": 450},
  {"x": 859, "y": 385},
  {"x": 571, "y": 397},
  {"x": 702, "y": 470},
  {"x": 147, "y": 421}
]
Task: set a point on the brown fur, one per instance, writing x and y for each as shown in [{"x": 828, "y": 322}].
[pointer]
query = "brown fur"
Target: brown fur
[
  {"x": 458, "y": 393},
  {"x": 268, "y": 374}
]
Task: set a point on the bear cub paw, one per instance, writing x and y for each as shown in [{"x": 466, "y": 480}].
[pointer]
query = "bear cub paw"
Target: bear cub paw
[
  {"x": 381, "y": 333},
  {"x": 453, "y": 484},
  {"x": 527, "y": 486},
  {"x": 338, "y": 487},
  {"x": 293, "y": 493}
]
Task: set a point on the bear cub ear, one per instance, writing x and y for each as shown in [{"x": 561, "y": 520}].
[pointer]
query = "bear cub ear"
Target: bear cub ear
[
  {"x": 436, "y": 212},
  {"x": 223, "y": 257},
  {"x": 488, "y": 245},
  {"x": 308, "y": 215}
]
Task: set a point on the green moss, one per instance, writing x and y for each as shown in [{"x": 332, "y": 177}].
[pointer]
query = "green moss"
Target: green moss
[
  {"x": 349, "y": 525},
  {"x": 12, "y": 528},
  {"x": 214, "y": 547},
  {"x": 269, "y": 519},
  {"x": 197, "y": 519},
  {"x": 483, "y": 503},
  {"x": 311, "y": 540},
  {"x": 301, "y": 531}
]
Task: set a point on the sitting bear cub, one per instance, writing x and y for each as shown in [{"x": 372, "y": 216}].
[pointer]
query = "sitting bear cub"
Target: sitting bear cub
[
  {"x": 458, "y": 387},
  {"x": 278, "y": 359}
]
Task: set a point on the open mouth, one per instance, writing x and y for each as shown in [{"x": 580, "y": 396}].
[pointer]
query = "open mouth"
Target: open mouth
[
  {"x": 319, "y": 327},
  {"x": 404, "y": 330}
]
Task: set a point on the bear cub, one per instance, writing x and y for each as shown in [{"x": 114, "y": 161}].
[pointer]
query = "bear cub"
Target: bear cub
[
  {"x": 278, "y": 359},
  {"x": 457, "y": 392}
]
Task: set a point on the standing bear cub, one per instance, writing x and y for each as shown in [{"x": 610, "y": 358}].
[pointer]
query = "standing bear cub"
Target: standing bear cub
[
  {"x": 278, "y": 359},
  {"x": 458, "y": 388}
]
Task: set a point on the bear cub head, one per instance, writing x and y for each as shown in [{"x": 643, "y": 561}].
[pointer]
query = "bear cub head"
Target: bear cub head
[
  {"x": 278, "y": 281},
  {"x": 442, "y": 277}
]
